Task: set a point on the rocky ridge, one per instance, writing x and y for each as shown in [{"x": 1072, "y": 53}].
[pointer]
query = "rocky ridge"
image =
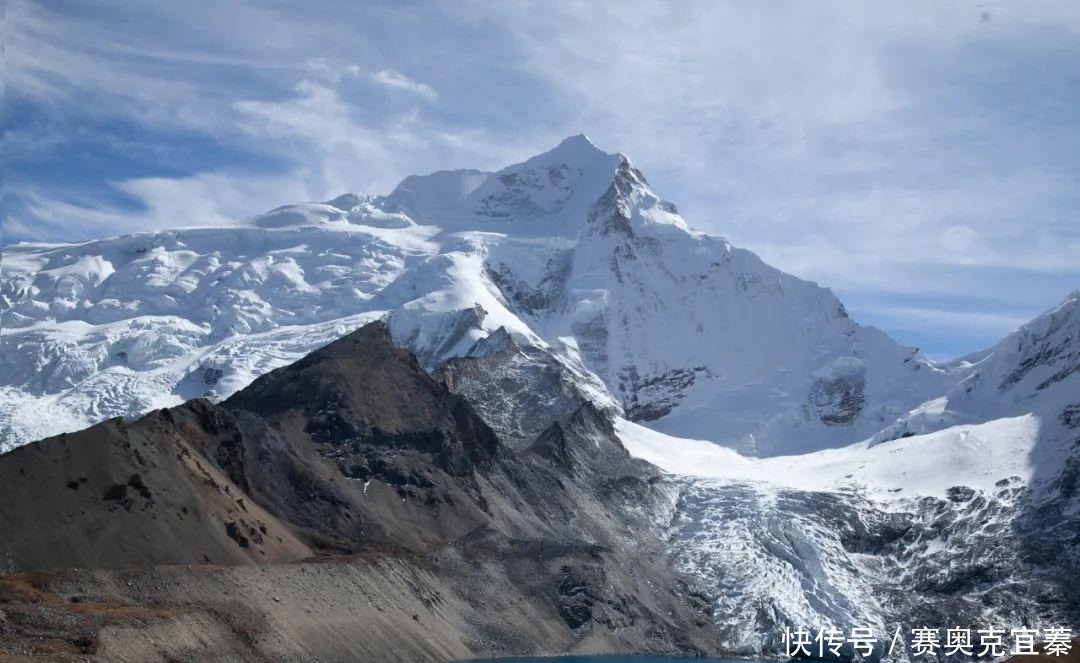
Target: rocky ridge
[{"x": 245, "y": 530}]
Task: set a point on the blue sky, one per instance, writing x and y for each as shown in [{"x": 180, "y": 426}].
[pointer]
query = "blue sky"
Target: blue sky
[{"x": 921, "y": 159}]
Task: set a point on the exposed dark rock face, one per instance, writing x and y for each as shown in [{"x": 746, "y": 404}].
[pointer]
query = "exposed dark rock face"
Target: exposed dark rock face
[
  {"x": 519, "y": 390},
  {"x": 839, "y": 400},
  {"x": 650, "y": 397},
  {"x": 585, "y": 443},
  {"x": 118, "y": 495},
  {"x": 1070, "y": 416},
  {"x": 435, "y": 539},
  {"x": 548, "y": 294}
]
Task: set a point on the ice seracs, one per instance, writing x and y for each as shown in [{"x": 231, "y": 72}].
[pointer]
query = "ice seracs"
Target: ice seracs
[
  {"x": 966, "y": 506},
  {"x": 823, "y": 473},
  {"x": 570, "y": 250}
]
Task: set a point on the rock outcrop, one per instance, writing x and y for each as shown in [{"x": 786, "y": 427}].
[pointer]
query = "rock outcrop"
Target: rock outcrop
[{"x": 347, "y": 507}]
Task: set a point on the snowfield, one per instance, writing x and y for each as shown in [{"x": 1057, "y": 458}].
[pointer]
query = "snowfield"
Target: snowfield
[
  {"x": 976, "y": 456},
  {"x": 974, "y": 520},
  {"x": 570, "y": 252}
]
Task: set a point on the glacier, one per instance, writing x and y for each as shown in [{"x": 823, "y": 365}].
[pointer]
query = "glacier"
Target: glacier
[
  {"x": 820, "y": 473},
  {"x": 569, "y": 252},
  {"x": 965, "y": 510}
]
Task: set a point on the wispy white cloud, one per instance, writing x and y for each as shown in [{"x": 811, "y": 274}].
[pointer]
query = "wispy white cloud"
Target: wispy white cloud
[
  {"x": 398, "y": 81},
  {"x": 344, "y": 151},
  {"x": 204, "y": 199},
  {"x": 885, "y": 151},
  {"x": 339, "y": 150}
]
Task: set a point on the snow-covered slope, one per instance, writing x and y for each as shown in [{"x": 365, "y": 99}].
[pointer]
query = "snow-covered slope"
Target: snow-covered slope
[
  {"x": 1036, "y": 369},
  {"x": 973, "y": 522},
  {"x": 120, "y": 326},
  {"x": 976, "y": 456},
  {"x": 570, "y": 252}
]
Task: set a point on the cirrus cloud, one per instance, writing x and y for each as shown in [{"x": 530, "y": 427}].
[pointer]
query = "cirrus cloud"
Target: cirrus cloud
[
  {"x": 398, "y": 81},
  {"x": 915, "y": 159}
]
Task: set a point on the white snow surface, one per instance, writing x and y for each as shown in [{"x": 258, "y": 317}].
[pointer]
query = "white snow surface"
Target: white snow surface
[
  {"x": 570, "y": 251},
  {"x": 976, "y": 456},
  {"x": 942, "y": 512},
  {"x": 1036, "y": 369},
  {"x": 1010, "y": 416}
]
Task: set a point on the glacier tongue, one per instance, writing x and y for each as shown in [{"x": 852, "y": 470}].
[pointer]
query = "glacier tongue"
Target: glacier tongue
[
  {"x": 963, "y": 513},
  {"x": 774, "y": 557}
]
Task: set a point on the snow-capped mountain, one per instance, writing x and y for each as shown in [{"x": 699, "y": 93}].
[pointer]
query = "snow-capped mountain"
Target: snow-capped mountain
[
  {"x": 966, "y": 509},
  {"x": 820, "y": 473},
  {"x": 1034, "y": 369},
  {"x": 570, "y": 253}
]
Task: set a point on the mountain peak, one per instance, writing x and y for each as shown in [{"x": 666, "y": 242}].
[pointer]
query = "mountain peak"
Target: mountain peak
[
  {"x": 578, "y": 139},
  {"x": 560, "y": 183},
  {"x": 575, "y": 151},
  {"x": 578, "y": 143}
]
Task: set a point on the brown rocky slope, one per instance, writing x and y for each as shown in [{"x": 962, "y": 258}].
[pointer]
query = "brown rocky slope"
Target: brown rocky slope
[{"x": 345, "y": 508}]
